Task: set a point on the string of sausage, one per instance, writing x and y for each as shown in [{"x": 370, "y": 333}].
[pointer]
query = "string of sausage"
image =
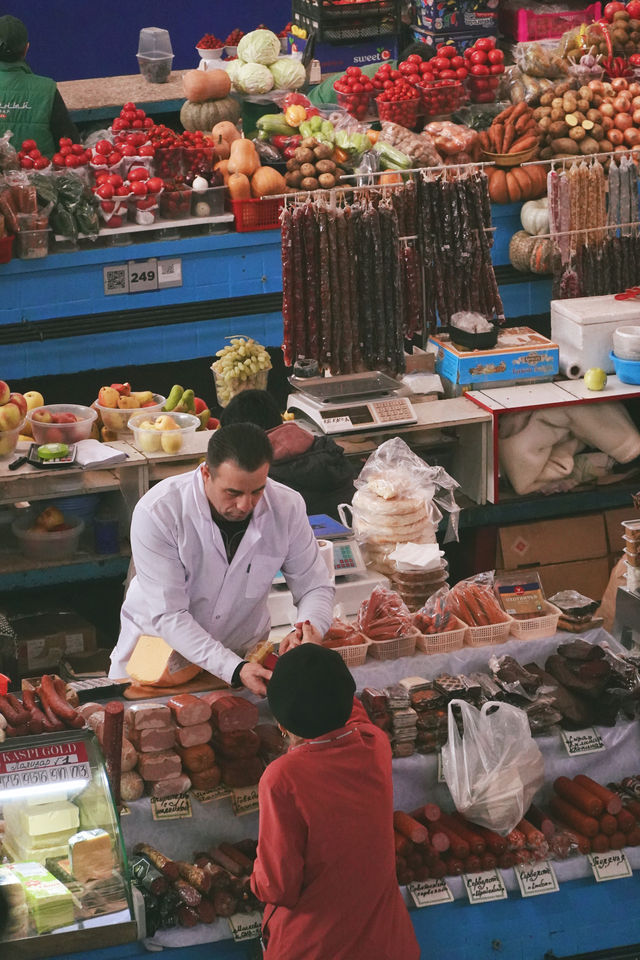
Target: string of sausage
[
  {"x": 355, "y": 292},
  {"x": 288, "y": 325},
  {"x": 344, "y": 274},
  {"x": 334, "y": 286},
  {"x": 310, "y": 231},
  {"x": 324, "y": 351}
]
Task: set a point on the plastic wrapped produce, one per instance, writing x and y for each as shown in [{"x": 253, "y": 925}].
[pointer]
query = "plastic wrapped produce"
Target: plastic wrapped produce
[{"x": 418, "y": 146}]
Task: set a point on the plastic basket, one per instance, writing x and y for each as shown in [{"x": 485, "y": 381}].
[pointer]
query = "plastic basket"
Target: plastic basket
[
  {"x": 444, "y": 642},
  {"x": 521, "y": 24},
  {"x": 262, "y": 214},
  {"x": 354, "y": 655},
  {"x": 392, "y": 649},
  {"x": 347, "y": 22},
  {"x": 485, "y": 636},
  {"x": 537, "y": 627}
]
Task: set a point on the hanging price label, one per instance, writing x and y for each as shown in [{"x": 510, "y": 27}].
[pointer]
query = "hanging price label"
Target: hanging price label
[
  {"x": 42, "y": 766},
  {"x": 244, "y": 800},
  {"x": 578, "y": 742},
  {"x": 206, "y": 796},
  {"x": 426, "y": 893},
  {"x": 246, "y": 926},
  {"x": 610, "y": 866},
  {"x": 536, "y": 878},
  {"x": 177, "y": 807},
  {"x": 484, "y": 887}
]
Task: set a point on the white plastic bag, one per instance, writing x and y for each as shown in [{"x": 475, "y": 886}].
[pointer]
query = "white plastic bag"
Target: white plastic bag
[{"x": 494, "y": 769}]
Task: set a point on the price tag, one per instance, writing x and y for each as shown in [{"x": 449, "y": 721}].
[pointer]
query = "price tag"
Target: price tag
[
  {"x": 246, "y": 926},
  {"x": 206, "y": 796},
  {"x": 484, "y": 887},
  {"x": 441, "y": 778},
  {"x": 610, "y": 866},
  {"x": 426, "y": 893},
  {"x": 115, "y": 279},
  {"x": 169, "y": 273},
  {"x": 536, "y": 878},
  {"x": 143, "y": 275},
  {"x": 177, "y": 807},
  {"x": 41, "y": 766},
  {"x": 577, "y": 742},
  {"x": 244, "y": 800}
]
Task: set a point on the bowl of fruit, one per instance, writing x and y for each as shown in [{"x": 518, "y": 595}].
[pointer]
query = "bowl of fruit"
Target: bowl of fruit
[
  {"x": 51, "y": 536},
  {"x": 162, "y": 434},
  {"x": 61, "y": 422},
  {"x": 209, "y": 47},
  {"x": 117, "y": 403}
]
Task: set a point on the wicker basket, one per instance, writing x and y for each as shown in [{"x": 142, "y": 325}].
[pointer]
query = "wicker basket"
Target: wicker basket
[
  {"x": 354, "y": 655},
  {"x": 486, "y": 636},
  {"x": 397, "y": 647},
  {"x": 444, "y": 642},
  {"x": 538, "y": 627}
]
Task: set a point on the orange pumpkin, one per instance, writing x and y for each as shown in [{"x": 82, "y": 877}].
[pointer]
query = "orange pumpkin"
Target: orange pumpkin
[
  {"x": 497, "y": 185},
  {"x": 201, "y": 85}
]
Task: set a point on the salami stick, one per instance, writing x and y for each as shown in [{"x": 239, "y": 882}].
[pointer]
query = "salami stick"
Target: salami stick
[
  {"x": 467, "y": 831},
  {"x": 540, "y": 820},
  {"x": 311, "y": 276},
  {"x": 288, "y": 344},
  {"x": 574, "y": 818},
  {"x": 574, "y": 793},
  {"x": 112, "y": 744},
  {"x": 336, "y": 297},
  {"x": 324, "y": 352},
  {"x": 353, "y": 228},
  {"x": 37, "y": 718},
  {"x": 410, "y": 828},
  {"x": 610, "y": 801},
  {"x": 52, "y": 723},
  {"x": 299, "y": 294},
  {"x": 344, "y": 272},
  {"x": 162, "y": 863}
]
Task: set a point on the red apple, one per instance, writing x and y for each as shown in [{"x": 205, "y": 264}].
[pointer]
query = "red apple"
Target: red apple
[
  {"x": 5, "y": 392},
  {"x": 199, "y": 405},
  {"x": 64, "y": 417},
  {"x": 20, "y": 403},
  {"x": 124, "y": 389},
  {"x": 42, "y": 416},
  {"x": 213, "y": 423}
]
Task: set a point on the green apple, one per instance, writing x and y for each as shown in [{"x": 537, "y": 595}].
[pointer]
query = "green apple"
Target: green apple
[{"x": 595, "y": 379}]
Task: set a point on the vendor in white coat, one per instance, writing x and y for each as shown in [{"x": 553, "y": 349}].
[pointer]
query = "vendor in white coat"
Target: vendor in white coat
[{"x": 206, "y": 546}]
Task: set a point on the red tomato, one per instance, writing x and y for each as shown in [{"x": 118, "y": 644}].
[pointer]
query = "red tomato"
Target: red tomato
[
  {"x": 448, "y": 75},
  {"x": 479, "y": 70},
  {"x": 440, "y": 63},
  {"x": 461, "y": 73},
  {"x": 447, "y": 51},
  {"x": 104, "y": 147},
  {"x": 478, "y": 56},
  {"x": 496, "y": 69},
  {"x": 71, "y": 160},
  {"x": 123, "y": 191},
  {"x": 77, "y": 148},
  {"x": 114, "y": 179},
  {"x": 114, "y": 158},
  {"x": 497, "y": 56},
  {"x": 633, "y": 9},
  {"x": 485, "y": 43},
  {"x": 105, "y": 191},
  {"x": 26, "y": 163},
  {"x": 417, "y": 59},
  {"x": 108, "y": 206},
  {"x": 40, "y": 163},
  {"x": 127, "y": 150},
  {"x": 139, "y": 188},
  {"x": 29, "y": 145},
  {"x": 458, "y": 61},
  {"x": 34, "y": 153},
  {"x": 58, "y": 159},
  {"x": 147, "y": 150},
  {"x": 155, "y": 184}
]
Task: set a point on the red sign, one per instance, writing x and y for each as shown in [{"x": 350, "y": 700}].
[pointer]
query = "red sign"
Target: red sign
[{"x": 48, "y": 764}]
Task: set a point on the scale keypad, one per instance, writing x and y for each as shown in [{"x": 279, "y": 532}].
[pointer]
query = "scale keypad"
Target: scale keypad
[
  {"x": 390, "y": 410},
  {"x": 343, "y": 558}
]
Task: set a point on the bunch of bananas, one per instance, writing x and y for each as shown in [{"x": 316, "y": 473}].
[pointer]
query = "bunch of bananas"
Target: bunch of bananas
[{"x": 239, "y": 367}]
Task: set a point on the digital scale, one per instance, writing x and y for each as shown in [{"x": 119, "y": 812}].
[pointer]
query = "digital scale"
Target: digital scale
[{"x": 345, "y": 404}]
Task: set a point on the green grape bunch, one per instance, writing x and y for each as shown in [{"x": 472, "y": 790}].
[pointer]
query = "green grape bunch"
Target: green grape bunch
[{"x": 242, "y": 364}]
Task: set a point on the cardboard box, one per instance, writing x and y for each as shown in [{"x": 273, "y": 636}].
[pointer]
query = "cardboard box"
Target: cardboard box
[
  {"x": 557, "y": 541},
  {"x": 461, "y": 40},
  {"x": 588, "y": 577},
  {"x": 615, "y": 531},
  {"x": 44, "y": 637},
  {"x": 520, "y": 356},
  {"x": 337, "y": 57},
  {"x": 463, "y": 16}
]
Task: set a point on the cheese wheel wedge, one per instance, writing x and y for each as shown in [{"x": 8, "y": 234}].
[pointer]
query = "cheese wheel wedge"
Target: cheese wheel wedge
[{"x": 155, "y": 663}]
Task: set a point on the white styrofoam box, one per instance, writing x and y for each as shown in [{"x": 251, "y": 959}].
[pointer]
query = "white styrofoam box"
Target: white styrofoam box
[{"x": 583, "y": 329}]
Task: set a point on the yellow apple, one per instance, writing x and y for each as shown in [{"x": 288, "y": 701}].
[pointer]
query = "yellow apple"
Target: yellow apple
[
  {"x": 165, "y": 423},
  {"x": 108, "y": 397},
  {"x": 10, "y": 416},
  {"x": 128, "y": 403},
  {"x": 50, "y": 518},
  {"x": 5, "y": 392},
  {"x": 171, "y": 442},
  {"x": 149, "y": 440},
  {"x": 34, "y": 399},
  {"x": 143, "y": 396}
]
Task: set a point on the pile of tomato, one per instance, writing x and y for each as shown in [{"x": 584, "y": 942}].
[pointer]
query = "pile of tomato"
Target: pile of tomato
[
  {"x": 354, "y": 91},
  {"x": 487, "y": 65}
]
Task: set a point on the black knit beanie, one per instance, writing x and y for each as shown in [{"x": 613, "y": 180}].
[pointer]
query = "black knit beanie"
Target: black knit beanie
[{"x": 311, "y": 691}]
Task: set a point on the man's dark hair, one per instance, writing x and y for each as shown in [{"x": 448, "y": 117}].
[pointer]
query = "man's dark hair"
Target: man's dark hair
[
  {"x": 244, "y": 444},
  {"x": 252, "y": 406}
]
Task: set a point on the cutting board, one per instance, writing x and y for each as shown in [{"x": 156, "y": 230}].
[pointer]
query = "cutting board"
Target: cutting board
[{"x": 204, "y": 681}]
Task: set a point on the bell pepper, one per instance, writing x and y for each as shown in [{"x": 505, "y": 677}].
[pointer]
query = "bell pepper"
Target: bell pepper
[
  {"x": 339, "y": 155},
  {"x": 289, "y": 152},
  {"x": 295, "y": 99},
  {"x": 295, "y": 115},
  {"x": 283, "y": 142}
]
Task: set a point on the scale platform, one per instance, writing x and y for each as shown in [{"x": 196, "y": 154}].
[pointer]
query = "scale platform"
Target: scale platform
[
  {"x": 354, "y": 402},
  {"x": 350, "y": 592}
]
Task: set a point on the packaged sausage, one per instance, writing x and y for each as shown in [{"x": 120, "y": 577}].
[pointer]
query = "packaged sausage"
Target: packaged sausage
[
  {"x": 193, "y": 735},
  {"x": 233, "y": 713},
  {"x": 153, "y": 739},
  {"x": 196, "y": 758},
  {"x": 170, "y": 787},
  {"x": 188, "y": 710},
  {"x": 238, "y": 745},
  {"x": 143, "y": 716},
  {"x": 159, "y": 766}
]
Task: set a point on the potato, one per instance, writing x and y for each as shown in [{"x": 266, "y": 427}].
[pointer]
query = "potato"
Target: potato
[
  {"x": 293, "y": 164},
  {"x": 308, "y": 170},
  {"x": 547, "y": 98},
  {"x": 584, "y": 105},
  {"x": 589, "y": 145},
  {"x": 309, "y": 143},
  {"x": 544, "y": 123},
  {"x": 593, "y": 115},
  {"x": 598, "y": 132},
  {"x": 559, "y": 128},
  {"x": 304, "y": 155},
  {"x": 585, "y": 93},
  {"x": 556, "y": 103},
  {"x": 293, "y": 178},
  {"x": 541, "y": 112},
  {"x": 562, "y": 88},
  {"x": 606, "y": 146},
  {"x": 557, "y": 114},
  {"x": 597, "y": 99},
  {"x": 577, "y": 133},
  {"x": 565, "y": 145},
  {"x": 546, "y": 153},
  {"x": 569, "y": 105},
  {"x": 309, "y": 183},
  {"x": 323, "y": 151},
  {"x": 327, "y": 181},
  {"x": 325, "y": 166}
]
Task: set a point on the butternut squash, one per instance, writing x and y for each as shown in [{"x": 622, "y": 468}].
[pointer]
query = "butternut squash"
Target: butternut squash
[
  {"x": 239, "y": 186},
  {"x": 243, "y": 157},
  {"x": 227, "y": 130},
  {"x": 201, "y": 85},
  {"x": 222, "y": 147},
  {"x": 267, "y": 182}
]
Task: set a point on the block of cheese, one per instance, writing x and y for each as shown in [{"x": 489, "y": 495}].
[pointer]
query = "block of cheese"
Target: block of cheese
[
  {"x": 206, "y": 779},
  {"x": 196, "y": 758},
  {"x": 160, "y": 765},
  {"x": 152, "y": 739},
  {"x": 237, "y": 745},
  {"x": 233, "y": 713},
  {"x": 188, "y": 710},
  {"x": 148, "y": 716},
  {"x": 49, "y": 818},
  {"x": 191, "y": 736},
  {"x": 170, "y": 787},
  {"x": 90, "y": 855},
  {"x": 155, "y": 663},
  {"x": 50, "y": 903},
  {"x": 241, "y": 773}
]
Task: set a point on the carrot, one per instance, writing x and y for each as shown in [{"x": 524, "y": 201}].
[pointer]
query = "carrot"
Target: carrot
[
  {"x": 522, "y": 122},
  {"x": 495, "y": 136},
  {"x": 509, "y": 136},
  {"x": 506, "y": 114},
  {"x": 484, "y": 141},
  {"x": 523, "y": 143},
  {"x": 519, "y": 110}
]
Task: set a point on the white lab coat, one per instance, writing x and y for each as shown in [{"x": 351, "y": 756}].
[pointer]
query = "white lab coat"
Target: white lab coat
[{"x": 186, "y": 592}]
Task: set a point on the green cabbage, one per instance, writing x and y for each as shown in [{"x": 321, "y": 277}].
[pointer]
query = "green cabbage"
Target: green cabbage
[
  {"x": 288, "y": 73},
  {"x": 233, "y": 67},
  {"x": 254, "y": 78},
  {"x": 259, "y": 46}
]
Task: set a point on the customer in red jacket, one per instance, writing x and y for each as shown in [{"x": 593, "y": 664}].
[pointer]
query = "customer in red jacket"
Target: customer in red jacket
[{"x": 326, "y": 863}]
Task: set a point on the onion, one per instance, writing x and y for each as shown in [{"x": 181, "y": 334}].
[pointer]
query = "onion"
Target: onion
[
  {"x": 615, "y": 136},
  {"x": 623, "y": 121},
  {"x": 619, "y": 83},
  {"x": 634, "y": 89},
  {"x": 636, "y": 118},
  {"x": 632, "y": 137},
  {"x": 597, "y": 86},
  {"x": 622, "y": 104},
  {"x": 618, "y": 149},
  {"x": 606, "y": 123},
  {"x": 606, "y": 109}
]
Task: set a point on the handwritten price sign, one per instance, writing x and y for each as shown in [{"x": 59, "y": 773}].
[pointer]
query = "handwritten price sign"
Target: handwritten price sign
[{"x": 44, "y": 766}]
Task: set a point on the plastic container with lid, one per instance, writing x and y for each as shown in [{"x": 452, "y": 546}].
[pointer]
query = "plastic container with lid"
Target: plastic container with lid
[
  {"x": 155, "y": 439},
  {"x": 33, "y": 244},
  {"x": 9, "y": 440},
  {"x": 117, "y": 420},
  {"x": 628, "y": 371},
  {"x": 61, "y": 432},
  {"x": 155, "y": 54},
  {"x": 626, "y": 342}
]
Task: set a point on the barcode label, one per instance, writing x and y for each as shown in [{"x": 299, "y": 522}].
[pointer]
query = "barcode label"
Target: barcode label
[
  {"x": 116, "y": 280},
  {"x": 170, "y": 273}
]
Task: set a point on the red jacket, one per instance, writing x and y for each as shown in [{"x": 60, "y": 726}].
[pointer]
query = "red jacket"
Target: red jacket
[{"x": 326, "y": 860}]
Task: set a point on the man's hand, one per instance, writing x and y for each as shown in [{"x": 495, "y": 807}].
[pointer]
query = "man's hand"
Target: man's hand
[
  {"x": 255, "y": 677},
  {"x": 303, "y": 632}
]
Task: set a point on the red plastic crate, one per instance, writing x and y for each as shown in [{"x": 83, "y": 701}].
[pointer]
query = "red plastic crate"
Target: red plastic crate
[
  {"x": 6, "y": 247},
  {"x": 260, "y": 214},
  {"x": 523, "y": 25}
]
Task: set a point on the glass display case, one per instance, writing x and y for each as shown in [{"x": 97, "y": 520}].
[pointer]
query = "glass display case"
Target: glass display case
[{"x": 63, "y": 870}]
